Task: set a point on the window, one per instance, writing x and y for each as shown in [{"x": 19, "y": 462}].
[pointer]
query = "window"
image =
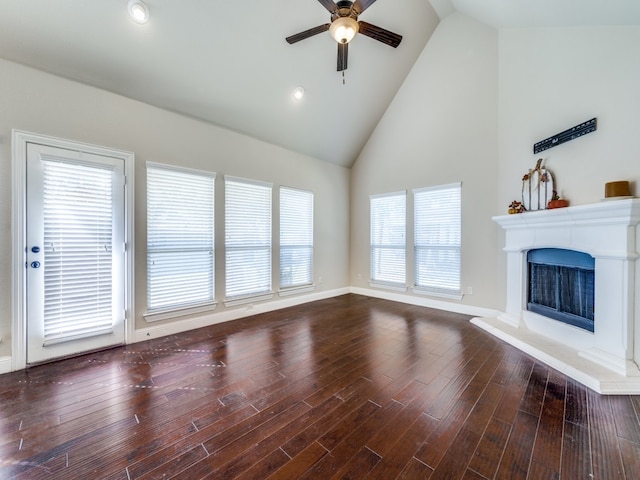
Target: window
[
  {"x": 180, "y": 238},
  {"x": 296, "y": 237},
  {"x": 437, "y": 239},
  {"x": 247, "y": 238},
  {"x": 80, "y": 221},
  {"x": 388, "y": 239}
]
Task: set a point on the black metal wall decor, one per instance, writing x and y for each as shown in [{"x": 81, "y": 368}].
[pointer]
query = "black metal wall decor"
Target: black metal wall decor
[{"x": 563, "y": 137}]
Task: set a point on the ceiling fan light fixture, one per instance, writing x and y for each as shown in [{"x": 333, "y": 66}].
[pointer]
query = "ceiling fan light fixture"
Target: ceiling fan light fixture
[
  {"x": 138, "y": 11},
  {"x": 343, "y": 29}
]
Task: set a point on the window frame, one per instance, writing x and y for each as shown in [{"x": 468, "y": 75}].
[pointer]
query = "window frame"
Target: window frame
[
  {"x": 454, "y": 222},
  {"x": 157, "y": 313},
  {"x": 305, "y": 240},
  {"x": 376, "y": 230},
  {"x": 234, "y": 298}
]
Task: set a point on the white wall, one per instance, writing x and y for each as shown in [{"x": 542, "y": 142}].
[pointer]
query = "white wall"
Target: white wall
[
  {"x": 41, "y": 103},
  {"x": 552, "y": 79},
  {"x": 442, "y": 127}
]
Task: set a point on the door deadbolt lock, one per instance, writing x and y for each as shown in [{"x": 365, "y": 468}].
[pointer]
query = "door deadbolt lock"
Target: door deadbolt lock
[
  {"x": 35, "y": 249},
  {"x": 35, "y": 264}
]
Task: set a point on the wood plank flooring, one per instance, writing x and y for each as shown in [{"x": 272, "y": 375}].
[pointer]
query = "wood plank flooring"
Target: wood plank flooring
[{"x": 349, "y": 387}]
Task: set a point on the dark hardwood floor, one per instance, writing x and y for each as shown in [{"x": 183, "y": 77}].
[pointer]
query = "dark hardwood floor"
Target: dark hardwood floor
[{"x": 349, "y": 387}]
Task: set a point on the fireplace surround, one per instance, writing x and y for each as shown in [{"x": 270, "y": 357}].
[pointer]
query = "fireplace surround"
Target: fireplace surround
[{"x": 606, "y": 359}]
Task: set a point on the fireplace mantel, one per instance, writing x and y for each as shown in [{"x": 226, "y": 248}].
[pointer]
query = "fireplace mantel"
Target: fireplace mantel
[{"x": 606, "y": 360}]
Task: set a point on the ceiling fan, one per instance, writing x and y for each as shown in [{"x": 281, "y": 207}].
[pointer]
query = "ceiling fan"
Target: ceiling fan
[{"x": 344, "y": 26}]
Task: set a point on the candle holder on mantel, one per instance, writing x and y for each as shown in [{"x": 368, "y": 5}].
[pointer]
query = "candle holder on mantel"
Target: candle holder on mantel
[{"x": 617, "y": 190}]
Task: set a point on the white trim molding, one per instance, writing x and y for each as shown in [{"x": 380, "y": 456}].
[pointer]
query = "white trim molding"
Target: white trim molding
[
  {"x": 20, "y": 140},
  {"x": 232, "y": 314},
  {"x": 427, "y": 302},
  {"x": 6, "y": 365}
]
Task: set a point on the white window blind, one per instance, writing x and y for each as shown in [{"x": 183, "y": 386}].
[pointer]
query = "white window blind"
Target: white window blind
[
  {"x": 247, "y": 238},
  {"x": 388, "y": 239},
  {"x": 437, "y": 238},
  {"x": 296, "y": 237},
  {"x": 180, "y": 238},
  {"x": 78, "y": 245}
]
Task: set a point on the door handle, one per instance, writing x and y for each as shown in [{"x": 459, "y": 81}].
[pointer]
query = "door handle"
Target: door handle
[
  {"x": 35, "y": 249},
  {"x": 35, "y": 264}
]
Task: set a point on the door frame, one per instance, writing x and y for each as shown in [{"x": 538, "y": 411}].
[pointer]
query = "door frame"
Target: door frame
[{"x": 20, "y": 140}]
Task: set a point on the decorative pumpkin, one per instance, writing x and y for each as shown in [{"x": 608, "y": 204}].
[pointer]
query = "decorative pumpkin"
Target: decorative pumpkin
[
  {"x": 537, "y": 187},
  {"x": 557, "y": 202}
]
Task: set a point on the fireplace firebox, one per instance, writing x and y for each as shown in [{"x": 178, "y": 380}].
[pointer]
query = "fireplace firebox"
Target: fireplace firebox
[{"x": 561, "y": 286}]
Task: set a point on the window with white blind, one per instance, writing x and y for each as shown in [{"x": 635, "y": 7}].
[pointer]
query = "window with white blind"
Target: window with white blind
[
  {"x": 78, "y": 216},
  {"x": 388, "y": 239},
  {"x": 180, "y": 238},
  {"x": 296, "y": 238},
  {"x": 247, "y": 239},
  {"x": 437, "y": 222}
]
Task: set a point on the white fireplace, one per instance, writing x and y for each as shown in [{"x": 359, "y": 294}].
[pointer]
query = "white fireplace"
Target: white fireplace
[{"x": 606, "y": 359}]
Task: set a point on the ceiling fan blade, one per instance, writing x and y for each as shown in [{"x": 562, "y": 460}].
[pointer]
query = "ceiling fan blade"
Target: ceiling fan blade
[
  {"x": 329, "y": 5},
  {"x": 380, "y": 34},
  {"x": 361, "y": 5},
  {"x": 308, "y": 33},
  {"x": 343, "y": 51}
]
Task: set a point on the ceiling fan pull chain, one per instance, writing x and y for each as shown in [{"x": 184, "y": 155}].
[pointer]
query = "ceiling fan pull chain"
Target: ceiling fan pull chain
[{"x": 343, "y": 82}]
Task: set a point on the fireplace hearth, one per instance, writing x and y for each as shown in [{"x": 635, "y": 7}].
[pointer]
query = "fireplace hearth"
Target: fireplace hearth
[{"x": 586, "y": 327}]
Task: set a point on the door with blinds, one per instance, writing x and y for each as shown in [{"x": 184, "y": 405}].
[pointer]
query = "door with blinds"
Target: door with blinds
[{"x": 75, "y": 250}]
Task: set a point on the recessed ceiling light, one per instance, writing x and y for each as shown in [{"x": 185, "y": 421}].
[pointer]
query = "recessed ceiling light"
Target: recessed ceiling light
[
  {"x": 138, "y": 11},
  {"x": 298, "y": 93}
]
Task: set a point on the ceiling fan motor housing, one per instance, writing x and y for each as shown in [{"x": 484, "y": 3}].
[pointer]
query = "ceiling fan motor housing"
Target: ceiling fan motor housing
[{"x": 344, "y": 10}]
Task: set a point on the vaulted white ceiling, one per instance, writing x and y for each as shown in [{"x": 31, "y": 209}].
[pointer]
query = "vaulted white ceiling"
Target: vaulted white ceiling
[
  {"x": 227, "y": 63},
  {"x": 550, "y": 13}
]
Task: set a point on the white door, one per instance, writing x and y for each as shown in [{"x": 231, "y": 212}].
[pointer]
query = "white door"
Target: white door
[{"x": 75, "y": 281}]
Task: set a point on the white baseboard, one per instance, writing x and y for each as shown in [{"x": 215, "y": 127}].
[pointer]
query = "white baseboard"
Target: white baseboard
[
  {"x": 427, "y": 302},
  {"x": 173, "y": 328},
  {"x": 6, "y": 365}
]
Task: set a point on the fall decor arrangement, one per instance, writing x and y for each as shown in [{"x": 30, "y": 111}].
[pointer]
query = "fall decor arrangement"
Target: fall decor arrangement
[
  {"x": 516, "y": 207},
  {"x": 537, "y": 192},
  {"x": 537, "y": 188}
]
